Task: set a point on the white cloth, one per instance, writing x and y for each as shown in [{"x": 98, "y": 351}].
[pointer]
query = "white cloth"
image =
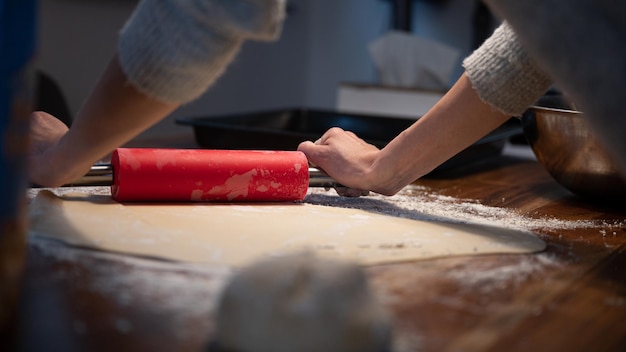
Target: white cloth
[
  {"x": 503, "y": 73},
  {"x": 174, "y": 50}
]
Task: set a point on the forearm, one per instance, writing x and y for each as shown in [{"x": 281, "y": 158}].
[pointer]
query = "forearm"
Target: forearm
[
  {"x": 114, "y": 113},
  {"x": 169, "y": 53},
  {"x": 501, "y": 80},
  {"x": 458, "y": 120}
]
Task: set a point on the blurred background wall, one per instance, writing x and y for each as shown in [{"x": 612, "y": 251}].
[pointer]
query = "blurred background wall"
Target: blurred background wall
[{"x": 324, "y": 43}]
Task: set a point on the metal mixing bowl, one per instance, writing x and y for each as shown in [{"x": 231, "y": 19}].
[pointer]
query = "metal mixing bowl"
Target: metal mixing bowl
[{"x": 569, "y": 150}]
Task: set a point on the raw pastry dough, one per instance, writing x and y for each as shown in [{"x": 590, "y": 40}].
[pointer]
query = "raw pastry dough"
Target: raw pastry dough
[{"x": 236, "y": 234}]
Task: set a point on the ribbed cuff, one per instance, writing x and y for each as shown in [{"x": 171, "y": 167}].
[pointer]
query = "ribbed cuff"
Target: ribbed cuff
[
  {"x": 250, "y": 19},
  {"x": 504, "y": 75},
  {"x": 174, "y": 50}
]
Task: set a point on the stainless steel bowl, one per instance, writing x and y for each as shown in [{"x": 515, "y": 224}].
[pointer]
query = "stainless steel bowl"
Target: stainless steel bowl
[{"x": 569, "y": 150}]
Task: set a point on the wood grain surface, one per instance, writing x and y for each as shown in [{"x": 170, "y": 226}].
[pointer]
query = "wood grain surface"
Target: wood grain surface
[{"x": 571, "y": 297}]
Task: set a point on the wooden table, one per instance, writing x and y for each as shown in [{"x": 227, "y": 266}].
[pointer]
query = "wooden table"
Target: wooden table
[{"x": 572, "y": 297}]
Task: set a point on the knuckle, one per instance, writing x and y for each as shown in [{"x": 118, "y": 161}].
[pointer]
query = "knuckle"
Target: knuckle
[{"x": 333, "y": 131}]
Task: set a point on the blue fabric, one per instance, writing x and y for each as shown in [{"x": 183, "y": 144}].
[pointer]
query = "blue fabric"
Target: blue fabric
[
  {"x": 17, "y": 46},
  {"x": 17, "y": 33}
]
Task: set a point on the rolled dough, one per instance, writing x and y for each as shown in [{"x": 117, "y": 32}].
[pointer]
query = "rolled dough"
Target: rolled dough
[{"x": 237, "y": 234}]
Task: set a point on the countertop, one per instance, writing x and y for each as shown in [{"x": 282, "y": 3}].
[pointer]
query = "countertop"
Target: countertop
[{"x": 572, "y": 296}]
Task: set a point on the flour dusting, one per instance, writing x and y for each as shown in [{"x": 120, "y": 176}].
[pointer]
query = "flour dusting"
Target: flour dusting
[
  {"x": 179, "y": 292},
  {"x": 503, "y": 276},
  {"x": 419, "y": 203},
  {"x": 186, "y": 293}
]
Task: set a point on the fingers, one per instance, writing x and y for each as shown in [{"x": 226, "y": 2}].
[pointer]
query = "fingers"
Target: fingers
[
  {"x": 334, "y": 133},
  {"x": 309, "y": 147},
  {"x": 47, "y": 125},
  {"x": 316, "y": 151},
  {"x": 306, "y": 146},
  {"x": 45, "y": 119},
  {"x": 351, "y": 192},
  {"x": 331, "y": 134},
  {"x": 310, "y": 150},
  {"x": 343, "y": 156},
  {"x": 351, "y": 134},
  {"x": 45, "y": 131}
]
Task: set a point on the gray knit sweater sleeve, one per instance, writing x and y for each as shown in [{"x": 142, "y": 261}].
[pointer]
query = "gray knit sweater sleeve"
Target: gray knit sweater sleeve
[
  {"x": 174, "y": 50},
  {"x": 503, "y": 73}
]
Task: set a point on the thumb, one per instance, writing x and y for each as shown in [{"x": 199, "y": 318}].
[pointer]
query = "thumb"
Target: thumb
[
  {"x": 311, "y": 150},
  {"x": 308, "y": 148}
]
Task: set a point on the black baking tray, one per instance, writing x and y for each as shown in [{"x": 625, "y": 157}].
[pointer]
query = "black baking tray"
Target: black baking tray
[{"x": 284, "y": 129}]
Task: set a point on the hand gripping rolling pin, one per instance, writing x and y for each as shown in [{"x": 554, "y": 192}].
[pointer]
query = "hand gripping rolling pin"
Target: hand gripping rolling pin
[{"x": 144, "y": 174}]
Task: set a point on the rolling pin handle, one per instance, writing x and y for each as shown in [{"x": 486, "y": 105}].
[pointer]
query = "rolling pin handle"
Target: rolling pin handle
[
  {"x": 98, "y": 175},
  {"x": 318, "y": 178}
]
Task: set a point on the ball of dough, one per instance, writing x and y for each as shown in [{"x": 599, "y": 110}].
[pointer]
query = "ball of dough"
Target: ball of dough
[{"x": 301, "y": 303}]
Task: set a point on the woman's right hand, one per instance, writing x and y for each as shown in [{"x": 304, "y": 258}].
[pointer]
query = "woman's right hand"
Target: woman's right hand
[{"x": 45, "y": 167}]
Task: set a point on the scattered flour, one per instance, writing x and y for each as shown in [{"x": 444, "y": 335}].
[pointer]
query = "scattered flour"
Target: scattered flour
[
  {"x": 413, "y": 202},
  {"x": 419, "y": 203},
  {"x": 186, "y": 292},
  {"x": 503, "y": 276},
  {"x": 180, "y": 293},
  {"x": 98, "y": 190}
]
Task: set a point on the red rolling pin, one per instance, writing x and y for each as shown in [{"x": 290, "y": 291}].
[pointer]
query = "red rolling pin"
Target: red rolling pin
[{"x": 143, "y": 174}]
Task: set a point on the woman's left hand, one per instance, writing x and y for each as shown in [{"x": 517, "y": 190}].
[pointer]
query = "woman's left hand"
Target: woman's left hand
[{"x": 345, "y": 157}]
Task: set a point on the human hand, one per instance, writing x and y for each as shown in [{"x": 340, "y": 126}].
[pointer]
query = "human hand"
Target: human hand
[
  {"x": 346, "y": 158},
  {"x": 45, "y": 133}
]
